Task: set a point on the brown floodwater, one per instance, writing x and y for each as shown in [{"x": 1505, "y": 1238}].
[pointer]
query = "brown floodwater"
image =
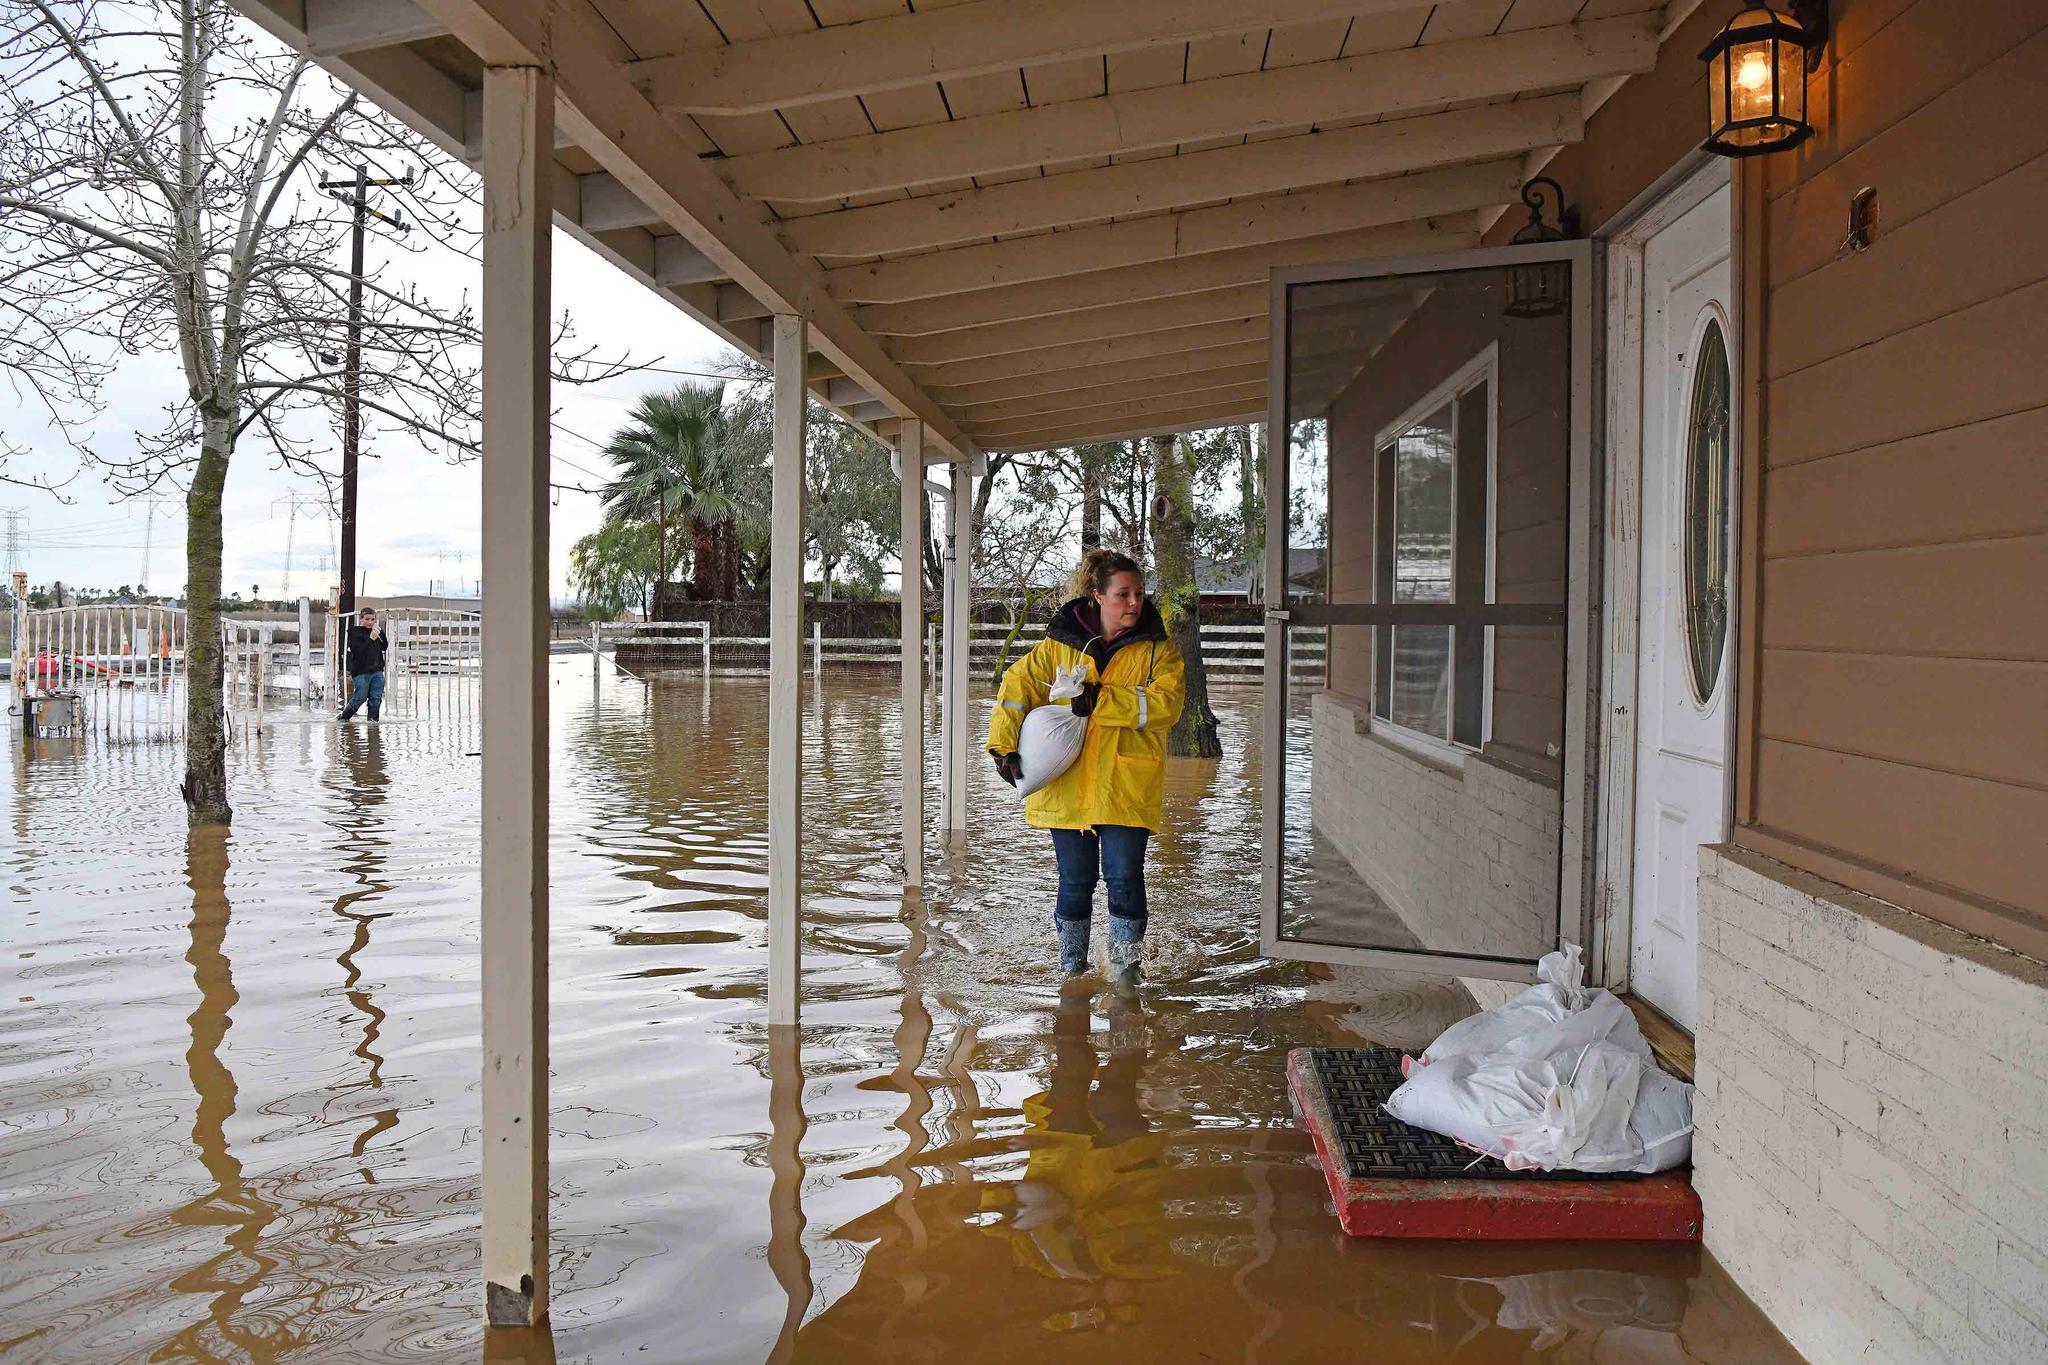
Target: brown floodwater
[{"x": 239, "y": 1075}]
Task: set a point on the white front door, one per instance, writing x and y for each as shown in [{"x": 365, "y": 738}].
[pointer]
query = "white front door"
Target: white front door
[{"x": 1684, "y": 655}]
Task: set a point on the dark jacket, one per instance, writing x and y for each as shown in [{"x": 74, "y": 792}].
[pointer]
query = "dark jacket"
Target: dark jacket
[
  {"x": 1079, "y": 624},
  {"x": 365, "y": 651}
]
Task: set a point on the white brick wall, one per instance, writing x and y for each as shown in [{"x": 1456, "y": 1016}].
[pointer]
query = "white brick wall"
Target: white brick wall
[
  {"x": 1468, "y": 859},
  {"x": 1872, "y": 1147}
]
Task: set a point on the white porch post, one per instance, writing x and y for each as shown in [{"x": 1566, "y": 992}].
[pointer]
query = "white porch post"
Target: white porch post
[
  {"x": 959, "y": 612},
  {"x": 785, "y": 673},
  {"x": 519, "y": 107},
  {"x": 910, "y": 456}
]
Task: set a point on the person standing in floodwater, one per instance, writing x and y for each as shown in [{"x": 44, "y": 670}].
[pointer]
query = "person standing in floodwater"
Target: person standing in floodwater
[
  {"x": 1104, "y": 809},
  {"x": 365, "y": 665}
]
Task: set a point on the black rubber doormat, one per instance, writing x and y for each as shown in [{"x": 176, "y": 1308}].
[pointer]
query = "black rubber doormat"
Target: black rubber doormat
[{"x": 1356, "y": 1082}]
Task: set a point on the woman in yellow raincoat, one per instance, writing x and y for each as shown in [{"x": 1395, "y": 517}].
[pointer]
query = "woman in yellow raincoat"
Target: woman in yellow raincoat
[{"x": 1104, "y": 809}]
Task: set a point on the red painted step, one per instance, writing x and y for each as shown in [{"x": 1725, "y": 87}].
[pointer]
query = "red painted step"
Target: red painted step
[{"x": 1651, "y": 1208}]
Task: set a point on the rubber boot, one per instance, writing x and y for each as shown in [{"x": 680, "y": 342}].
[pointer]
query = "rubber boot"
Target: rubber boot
[
  {"x": 1126, "y": 952},
  {"x": 1073, "y": 945}
]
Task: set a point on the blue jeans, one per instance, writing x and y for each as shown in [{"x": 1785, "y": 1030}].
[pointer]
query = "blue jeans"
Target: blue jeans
[
  {"x": 1110, "y": 853},
  {"x": 365, "y": 687}
]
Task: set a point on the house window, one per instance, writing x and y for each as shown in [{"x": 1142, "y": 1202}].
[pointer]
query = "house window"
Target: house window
[{"x": 1433, "y": 544}]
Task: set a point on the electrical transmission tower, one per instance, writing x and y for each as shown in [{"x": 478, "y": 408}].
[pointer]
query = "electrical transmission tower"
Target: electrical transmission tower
[
  {"x": 148, "y": 537},
  {"x": 17, "y": 538},
  {"x": 294, "y": 503}
]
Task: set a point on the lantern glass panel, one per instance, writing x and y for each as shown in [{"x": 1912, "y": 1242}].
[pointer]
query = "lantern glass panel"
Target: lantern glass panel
[
  {"x": 1753, "y": 87},
  {"x": 1791, "y": 82}
]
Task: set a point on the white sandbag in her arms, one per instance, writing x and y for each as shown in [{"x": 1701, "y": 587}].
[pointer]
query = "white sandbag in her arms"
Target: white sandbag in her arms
[{"x": 1050, "y": 739}]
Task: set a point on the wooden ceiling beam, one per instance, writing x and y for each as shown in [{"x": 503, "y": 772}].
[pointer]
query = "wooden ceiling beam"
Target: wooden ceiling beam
[
  {"x": 337, "y": 27},
  {"x": 1121, "y": 413},
  {"x": 1186, "y": 381},
  {"x": 614, "y": 123},
  {"x": 916, "y": 49},
  {"x": 1051, "y": 383},
  {"x": 1085, "y": 355},
  {"x": 1365, "y": 152},
  {"x": 1129, "y": 423},
  {"x": 1182, "y": 234},
  {"x": 1096, "y": 324},
  {"x": 1160, "y": 279},
  {"x": 1379, "y": 84}
]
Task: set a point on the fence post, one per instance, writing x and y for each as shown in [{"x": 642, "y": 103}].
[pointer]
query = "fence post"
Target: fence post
[
  {"x": 817, "y": 651},
  {"x": 596, "y": 640},
  {"x": 704, "y": 635}
]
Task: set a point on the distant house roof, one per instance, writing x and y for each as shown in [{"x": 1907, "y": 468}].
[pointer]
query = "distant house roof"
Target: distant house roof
[{"x": 1232, "y": 577}]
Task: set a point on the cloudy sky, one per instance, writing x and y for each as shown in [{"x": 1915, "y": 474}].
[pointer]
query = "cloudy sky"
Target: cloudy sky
[{"x": 419, "y": 518}]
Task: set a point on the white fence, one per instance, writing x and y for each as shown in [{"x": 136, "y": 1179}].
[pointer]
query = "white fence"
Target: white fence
[
  {"x": 127, "y": 664},
  {"x": 1231, "y": 654},
  {"x": 124, "y": 663}
]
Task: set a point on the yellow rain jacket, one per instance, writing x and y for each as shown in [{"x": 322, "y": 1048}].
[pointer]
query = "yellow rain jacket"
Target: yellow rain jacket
[{"x": 1119, "y": 779}]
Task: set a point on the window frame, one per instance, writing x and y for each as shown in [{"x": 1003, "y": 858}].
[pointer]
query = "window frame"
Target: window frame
[{"x": 1482, "y": 367}]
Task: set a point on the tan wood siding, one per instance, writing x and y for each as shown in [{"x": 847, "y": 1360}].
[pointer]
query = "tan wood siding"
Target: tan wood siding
[
  {"x": 1983, "y": 361},
  {"x": 1901, "y": 701},
  {"x": 1980, "y": 480},
  {"x": 1852, "y": 703},
  {"x": 1976, "y": 600},
  {"x": 1983, "y": 838}
]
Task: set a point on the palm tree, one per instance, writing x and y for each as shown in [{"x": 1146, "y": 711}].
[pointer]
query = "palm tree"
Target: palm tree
[{"x": 676, "y": 461}]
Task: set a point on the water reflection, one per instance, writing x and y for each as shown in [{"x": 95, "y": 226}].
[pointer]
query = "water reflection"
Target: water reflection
[
  {"x": 233, "y": 1204},
  {"x": 786, "y": 1255},
  {"x": 951, "y": 1162},
  {"x": 362, "y": 844}
]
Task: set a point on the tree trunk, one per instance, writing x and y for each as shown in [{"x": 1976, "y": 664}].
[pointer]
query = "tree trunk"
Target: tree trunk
[
  {"x": 1091, "y": 501},
  {"x": 704, "y": 561},
  {"x": 205, "y": 787},
  {"x": 1173, "y": 529},
  {"x": 1251, "y": 507},
  {"x": 932, "y": 554},
  {"x": 728, "y": 550},
  {"x": 660, "y": 542}
]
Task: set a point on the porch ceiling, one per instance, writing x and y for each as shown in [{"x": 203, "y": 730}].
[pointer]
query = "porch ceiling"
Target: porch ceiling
[{"x": 1027, "y": 222}]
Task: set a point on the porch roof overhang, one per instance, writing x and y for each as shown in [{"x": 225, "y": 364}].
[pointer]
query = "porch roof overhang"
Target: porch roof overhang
[{"x": 1023, "y": 222}]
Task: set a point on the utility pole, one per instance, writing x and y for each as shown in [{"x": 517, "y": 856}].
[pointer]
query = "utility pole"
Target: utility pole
[{"x": 358, "y": 199}]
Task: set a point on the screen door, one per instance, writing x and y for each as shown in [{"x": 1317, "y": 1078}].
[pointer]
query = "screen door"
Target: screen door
[{"x": 1428, "y": 520}]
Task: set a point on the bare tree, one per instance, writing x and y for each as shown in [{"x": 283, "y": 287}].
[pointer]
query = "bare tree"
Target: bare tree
[{"x": 158, "y": 162}]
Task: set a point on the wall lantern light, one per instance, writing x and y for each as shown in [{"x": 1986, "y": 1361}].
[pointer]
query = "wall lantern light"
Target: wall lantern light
[
  {"x": 1756, "y": 78},
  {"x": 1542, "y": 290}
]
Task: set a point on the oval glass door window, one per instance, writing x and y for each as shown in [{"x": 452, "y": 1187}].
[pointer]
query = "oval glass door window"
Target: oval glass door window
[{"x": 1706, "y": 514}]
